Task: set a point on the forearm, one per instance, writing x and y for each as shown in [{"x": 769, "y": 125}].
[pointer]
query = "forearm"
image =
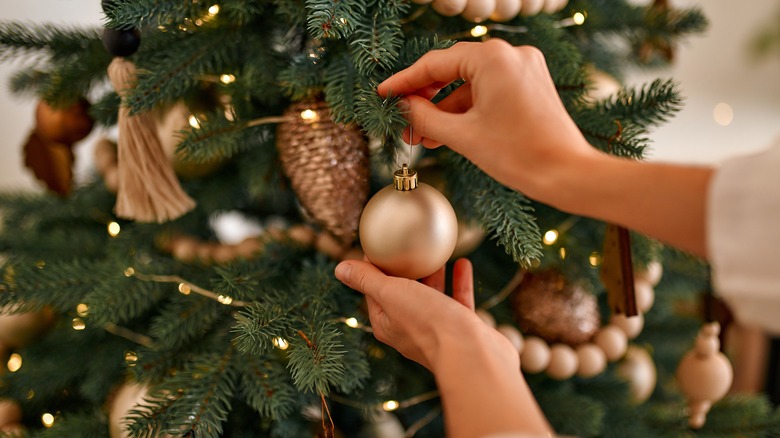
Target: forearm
[
  {"x": 483, "y": 391},
  {"x": 664, "y": 201}
]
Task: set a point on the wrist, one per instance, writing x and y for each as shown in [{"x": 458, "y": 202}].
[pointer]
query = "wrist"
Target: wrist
[
  {"x": 472, "y": 346},
  {"x": 572, "y": 179}
]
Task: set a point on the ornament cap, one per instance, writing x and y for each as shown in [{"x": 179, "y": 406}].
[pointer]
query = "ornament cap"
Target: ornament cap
[{"x": 405, "y": 179}]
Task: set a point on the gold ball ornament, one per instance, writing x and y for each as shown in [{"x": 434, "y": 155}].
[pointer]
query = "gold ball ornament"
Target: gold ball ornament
[
  {"x": 564, "y": 362},
  {"x": 408, "y": 229},
  {"x": 513, "y": 335},
  {"x": 704, "y": 374},
  {"x": 505, "y": 10},
  {"x": 536, "y": 355},
  {"x": 19, "y": 329},
  {"x": 631, "y": 325},
  {"x": 592, "y": 360},
  {"x": 638, "y": 369},
  {"x": 613, "y": 341},
  {"x": 10, "y": 412},
  {"x": 449, "y": 8},
  {"x": 547, "y": 305},
  {"x": 478, "y": 11},
  {"x": 328, "y": 166}
]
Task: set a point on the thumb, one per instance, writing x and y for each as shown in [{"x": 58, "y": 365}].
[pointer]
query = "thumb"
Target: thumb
[
  {"x": 362, "y": 276},
  {"x": 429, "y": 121}
]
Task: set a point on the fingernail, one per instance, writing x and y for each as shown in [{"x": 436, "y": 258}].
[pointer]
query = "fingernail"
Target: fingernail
[
  {"x": 342, "y": 271},
  {"x": 404, "y": 104}
]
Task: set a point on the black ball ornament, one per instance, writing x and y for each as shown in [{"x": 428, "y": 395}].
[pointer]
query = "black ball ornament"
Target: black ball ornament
[{"x": 121, "y": 42}]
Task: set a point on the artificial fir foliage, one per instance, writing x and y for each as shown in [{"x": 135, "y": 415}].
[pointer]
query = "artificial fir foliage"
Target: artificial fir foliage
[{"x": 274, "y": 345}]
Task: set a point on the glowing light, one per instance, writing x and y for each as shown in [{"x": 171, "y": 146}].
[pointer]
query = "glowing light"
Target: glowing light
[
  {"x": 479, "y": 31},
  {"x": 113, "y": 229},
  {"x": 213, "y": 10},
  {"x": 594, "y": 259},
  {"x": 194, "y": 122},
  {"x": 562, "y": 253},
  {"x": 184, "y": 288},
  {"x": 82, "y": 309},
  {"x": 47, "y": 419},
  {"x": 78, "y": 324},
  {"x": 352, "y": 322},
  {"x": 224, "y": 299},
  {"x": 343, "y": 20},
  {"x": 30, "y": 394},
  {"x": 40, "y": 264},
  {"x": 131, "y": 358},
  {"x": 281, "y": 343},
  {"x": 310, "y": 116},
  {"x": 129, "y": 272},
  {"x": 227, "y": 79},
  {"x": 390, "y": 405},
  {"x": 14, "y": 363},
  {"x": 550, "y": 237},
  {"x": 723, "y": 114},
  {"x": 579, "y": 18}
]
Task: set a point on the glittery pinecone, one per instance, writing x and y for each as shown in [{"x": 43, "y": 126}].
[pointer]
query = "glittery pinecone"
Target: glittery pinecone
[
  {"x": 328, "y": 166},
  {"x": 547, "y": 305}
]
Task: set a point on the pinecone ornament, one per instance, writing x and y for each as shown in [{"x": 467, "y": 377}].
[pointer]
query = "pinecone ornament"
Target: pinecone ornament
[{"x": 328, "y": 166}]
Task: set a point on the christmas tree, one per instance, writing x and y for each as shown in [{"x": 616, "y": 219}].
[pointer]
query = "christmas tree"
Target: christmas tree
[{"x": 130, "y": 309}]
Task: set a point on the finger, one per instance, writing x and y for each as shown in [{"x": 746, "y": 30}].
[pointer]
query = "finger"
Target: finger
[
  {"x": 463, "y": 283},
  {"x": 363, "y": 277},
  {"x": 436, "y": 280},
  {"x": 374, "y": 309},
  {"x": 459, "y": 101},
  {"x": 432, "y": 123},
  {"x": 435, "y": 67}
]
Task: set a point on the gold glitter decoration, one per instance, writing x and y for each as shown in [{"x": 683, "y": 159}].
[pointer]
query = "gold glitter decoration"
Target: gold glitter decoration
[
  {"x": 327, "y": 164},
  {"x": 547, "y": 305}
]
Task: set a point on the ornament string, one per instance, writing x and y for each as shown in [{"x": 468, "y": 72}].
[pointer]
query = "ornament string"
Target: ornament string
[
  {"x": 422, "y": 422},
  {"x": 505, "y": 291}
]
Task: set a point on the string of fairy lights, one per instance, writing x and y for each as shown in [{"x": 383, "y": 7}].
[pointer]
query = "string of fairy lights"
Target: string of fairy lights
[{"x": 550, "y": 237}]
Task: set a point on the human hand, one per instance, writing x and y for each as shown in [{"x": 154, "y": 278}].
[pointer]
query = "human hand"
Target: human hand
[
  {"x": 507, "y": 118},
  {"x": 418, "y": 319}
]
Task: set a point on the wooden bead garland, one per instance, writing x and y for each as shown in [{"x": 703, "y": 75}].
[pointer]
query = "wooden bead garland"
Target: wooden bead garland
[
  {"x": 562, "y": 361},
  {"x": 478, "y": 11}
]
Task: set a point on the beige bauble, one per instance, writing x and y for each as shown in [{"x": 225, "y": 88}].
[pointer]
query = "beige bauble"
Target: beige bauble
[
  {"x": 631, "y": 325},
  {"x": 411, "y": 232},
  {"x": 449, "y": 8},
  {"x": 531, "y": 7},
  {"x": 486, "y": 317},
  {"x": 553, "y": 6},
  {"x": 478, "y": 11},
  {"x": 126, "y": 398},
  {"x": 564, "y": 362},
  {"x": 645, "y": 295},
  {"x": 651, "y": 273},
  {"x": 536, "y": 355},
  {"x": 638, "y": 369},
  {"x": 10, "y": 412},
  {"x": 613, "y": 341},
  {"x": 19, "y": 329},
  {"x": 513, "y": 335},
  {"x": 704, "y": 374},
  {"x": 506, "y": 10},
  {"x": 470, "y": 236},
  {"x": 592, "y": 360}
]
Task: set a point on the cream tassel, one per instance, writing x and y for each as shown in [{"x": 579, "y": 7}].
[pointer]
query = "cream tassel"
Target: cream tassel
[{"x": 148, "y": 190}]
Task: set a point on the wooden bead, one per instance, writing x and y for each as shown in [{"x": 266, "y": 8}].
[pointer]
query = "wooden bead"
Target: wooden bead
[
  {"x": 204, "y": 252},
  {"x": 105, "y": 155},
  {"x": 652, "y": 273},
  {"x": 536, "y": 355},
  {"x": 638, "y": 369},
  {"x": 449, "y": 8},
  {"x": 564, "y": 362},
  {"x": 249, "y": 247},
  {"x": 222, "y": 254},
  {"x": 632, "y": 326},
  {"x": 530, "y": 8},
  {"x": 645, "y": 295},
  {"x": 327, "y": 244},
  {"x": 592, "y": 359},
  {"x": 478, "y": 11},
  {"x": 513, "y": 335},
  {"x": 184, "y": 248},
  {"x": 613, "y": 341},
  {"x": 505, "y": 10},
  {"x": 486, "y": 317},
  {"x": 302, "y": 234},
  {"x": 553, "y": 6},
  {"x": 10, "y": 412}
]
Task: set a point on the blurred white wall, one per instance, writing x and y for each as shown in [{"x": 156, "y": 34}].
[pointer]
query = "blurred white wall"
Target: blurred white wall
[{"x": 712, "y": 68}]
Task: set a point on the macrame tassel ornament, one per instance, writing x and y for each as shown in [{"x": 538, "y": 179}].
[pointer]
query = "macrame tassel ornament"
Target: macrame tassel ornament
[{"x": 149, "y": 190}]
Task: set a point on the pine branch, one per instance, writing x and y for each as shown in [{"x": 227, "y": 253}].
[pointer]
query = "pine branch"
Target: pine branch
[
  {"x": 258, "y": 326},
  {"x": 184, "y": 319},
  {"x": 19, "y": 39},
  {"x": 316, "y": 359},
  {"x": 333, "y": 18},
  {"x": 266, "y": 387},
  {"x": 651, "y": 105},
  {"x": 377, "y": 40}
]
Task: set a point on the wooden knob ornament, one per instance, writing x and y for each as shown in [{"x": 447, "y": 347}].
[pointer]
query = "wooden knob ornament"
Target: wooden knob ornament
[
  {"x": 564, "y": 362},
  {"x": 536, "y": 355},
  {"x": 704, "y": 374}
]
